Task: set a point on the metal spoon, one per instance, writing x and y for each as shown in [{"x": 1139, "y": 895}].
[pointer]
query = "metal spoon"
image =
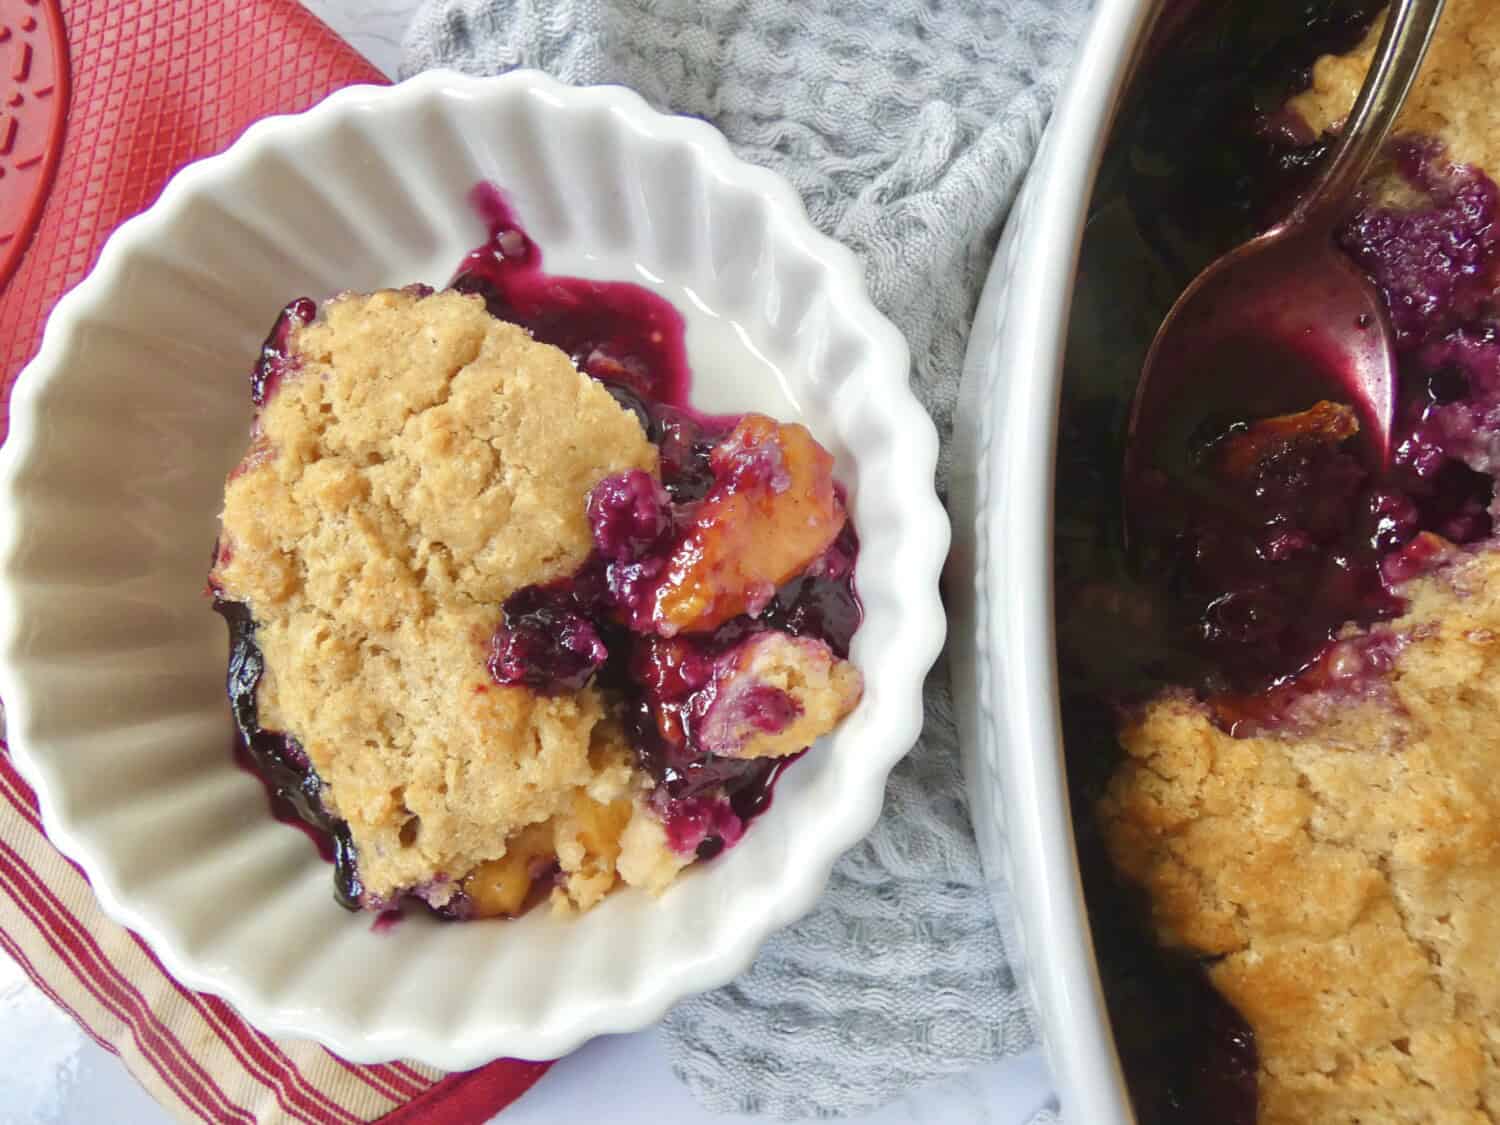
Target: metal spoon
[{"x": 1287, "y": 319}]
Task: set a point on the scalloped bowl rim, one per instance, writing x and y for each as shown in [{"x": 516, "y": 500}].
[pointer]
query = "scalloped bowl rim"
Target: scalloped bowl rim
[{"x": 924, "y": 623}]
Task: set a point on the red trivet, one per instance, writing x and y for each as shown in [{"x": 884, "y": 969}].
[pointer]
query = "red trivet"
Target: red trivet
[{"x": 34, "y": 62}]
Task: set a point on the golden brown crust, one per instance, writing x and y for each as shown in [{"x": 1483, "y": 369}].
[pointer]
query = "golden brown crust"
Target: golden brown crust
[
  {"x": 424, "y": 462},
  {"x": 1454, "y": 97},
  {"x": 1347, "y": 874}
]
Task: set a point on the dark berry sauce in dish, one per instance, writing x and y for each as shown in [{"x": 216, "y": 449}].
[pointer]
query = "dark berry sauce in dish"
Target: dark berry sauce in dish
[
  {"x": 594, "y": 624},
  {"x": 1266, "y": 526}
]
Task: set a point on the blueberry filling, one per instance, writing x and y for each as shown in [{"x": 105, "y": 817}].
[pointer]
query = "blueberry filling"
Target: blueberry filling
[
  {"x": 596, "y": 625},
  {"x": 621, "y": 334},
  {"x": 1433, "y": 263},
  {"x": 630, "y": 516},
  {"x": 1270, "y": 536},
  {"x": 546, "y": 641},
  {"x": 670, "y": 685}
]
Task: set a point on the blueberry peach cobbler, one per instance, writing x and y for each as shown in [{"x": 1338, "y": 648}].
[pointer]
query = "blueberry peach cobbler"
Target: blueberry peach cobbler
[
  {"x": 1297, "y": 854},
  {"x": 507, "y": 620}
]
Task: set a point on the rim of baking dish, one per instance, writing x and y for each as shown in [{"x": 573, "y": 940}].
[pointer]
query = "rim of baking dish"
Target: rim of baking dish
[{"x": 1007, "y": 685}]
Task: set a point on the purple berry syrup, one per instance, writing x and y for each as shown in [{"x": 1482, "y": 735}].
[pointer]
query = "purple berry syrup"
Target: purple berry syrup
[
  {"x": 293, "y": 786},
  {"x": 274, "y": 360},
  {"x": 1266, "y": 566},
  {"x": 558, "y": 637}
]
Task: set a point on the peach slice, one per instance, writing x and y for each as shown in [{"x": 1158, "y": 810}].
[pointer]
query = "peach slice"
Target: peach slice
[
  {"x": 500, "y": 887},
  {"x": 1329, "y": 423},
  {"x": 773, "y": 509}
]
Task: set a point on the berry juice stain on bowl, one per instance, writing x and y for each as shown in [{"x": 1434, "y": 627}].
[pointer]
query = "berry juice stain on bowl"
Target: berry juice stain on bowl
[
  {"x": 710, "y": 616},
  {"x": 618, "y": 332}
]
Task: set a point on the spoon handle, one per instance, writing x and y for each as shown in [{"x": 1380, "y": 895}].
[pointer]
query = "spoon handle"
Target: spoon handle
[{"x": 1403, "y": 43}]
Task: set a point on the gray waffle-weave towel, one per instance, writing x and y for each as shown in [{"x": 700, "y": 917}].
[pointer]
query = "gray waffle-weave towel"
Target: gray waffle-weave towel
[{"x": 906, "y": 125}]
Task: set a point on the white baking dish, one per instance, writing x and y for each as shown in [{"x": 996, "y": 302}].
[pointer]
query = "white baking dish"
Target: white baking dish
[{"x": 1000, "y": 580}]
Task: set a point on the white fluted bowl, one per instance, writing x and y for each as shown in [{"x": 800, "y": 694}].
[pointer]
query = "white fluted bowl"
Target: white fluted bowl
[{"x": 122, "y": 430}]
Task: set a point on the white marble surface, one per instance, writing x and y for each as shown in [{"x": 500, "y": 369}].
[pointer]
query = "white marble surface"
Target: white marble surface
[
  {"x": 52, "y": 1074},
  {"x": 374, "y": 27}
]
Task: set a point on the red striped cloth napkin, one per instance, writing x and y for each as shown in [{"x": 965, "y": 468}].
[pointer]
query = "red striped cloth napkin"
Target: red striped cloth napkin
[
  {"x": 146, "y": 86},
  {"x": 196, "y": 1057}
]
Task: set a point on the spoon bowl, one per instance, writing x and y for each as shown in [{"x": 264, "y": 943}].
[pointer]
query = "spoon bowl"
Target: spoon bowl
[
  {"x": 1286, "y": 320},
  {"x": 1282, "y": 322}
]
